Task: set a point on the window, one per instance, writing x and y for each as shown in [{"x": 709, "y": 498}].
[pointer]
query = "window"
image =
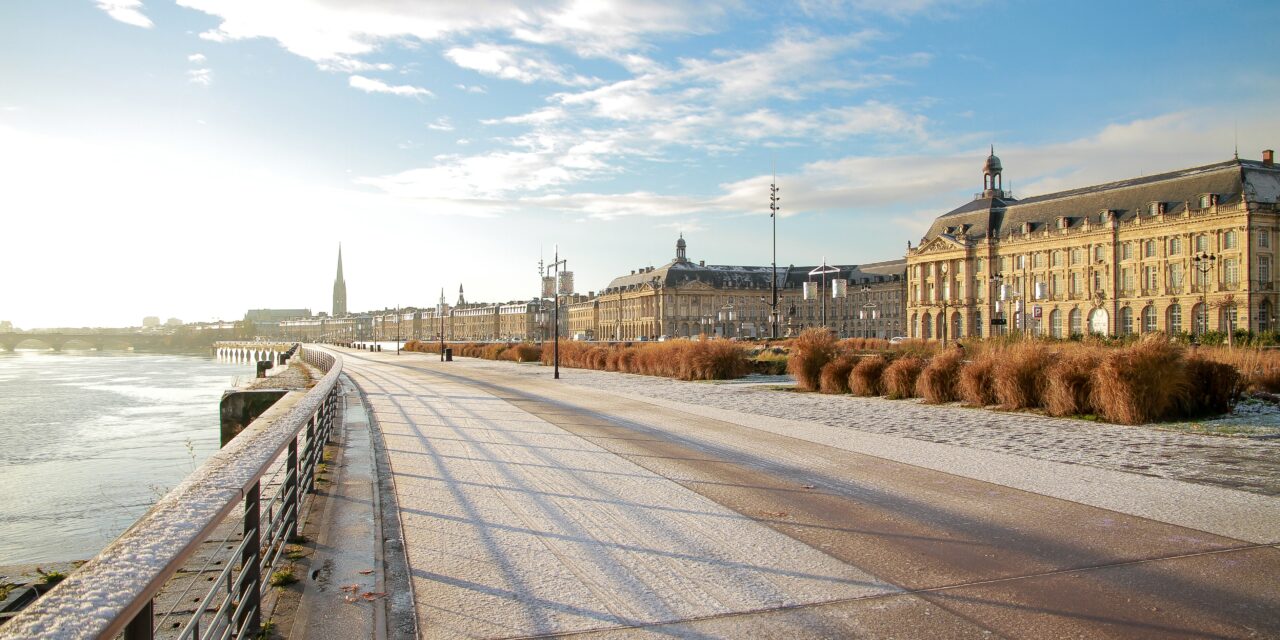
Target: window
[
  {"x": 1149, "y": 249},
  {"x": 1037, "y": 260},
  {"x": 1175, "y": 246},
  {"x": 1175, "y": 277},
  {"x": 1099, "y": 253},
  {"x": 1151, "y": 278},
  {"x": 1264, "y": 238},
  {"x": 977, "y": 266},
  {"x": 1097, "y": 281},
  {"x": 1264, "y": 269},
  {"x": 1077, "y": 283},
  {"x": 1077, "y": 256},
  {"x": 1055, "y": 259},
  {"x": 977, "y": 324},
  {"x": 1126, "y": 251},
  {"x": 1231, "y": 270},
  {"x": 1021, "y": 262},
  {"x": 1156, "y": 208},
  {"x": 1229, "y": 240},
  {"x": 1126, "y": 279},
  {"x": 1149, "y": 319},
  {"x": 1126, "y": 321},
  {"x": 1055, "y": 282},
  {"x": 1055, "y": 323},
  {"x": 1175, "y": 318},
  {"x": 1229, "y": 318},
  {"x": 1208, "y": 200},
  {"x": 1202, "y": 243},
  {"x": 1074, "y": 324}
]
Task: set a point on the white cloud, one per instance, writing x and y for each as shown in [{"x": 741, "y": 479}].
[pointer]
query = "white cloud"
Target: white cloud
[
  {"x": 542, "y": 116},
  {"x": 440, "y": 124},
  {"x": 372, "y": 85},
  {"x": 201, "y": 76},
  {"x": 126, "y": 11},
  {"x": 197, "y": 58},
  {"x": 471, "y": 88},
  {"x": 326, "y": 31},
  {"x": 514, "y": 63}
]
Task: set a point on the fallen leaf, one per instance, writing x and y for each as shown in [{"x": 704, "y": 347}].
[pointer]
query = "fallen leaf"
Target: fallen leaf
[
  {"x": 366, "y": 572},
  {"x": 350, "y": 588},
  {"x": 371, "y": 595},
  {"x": 351, "y": 598}
]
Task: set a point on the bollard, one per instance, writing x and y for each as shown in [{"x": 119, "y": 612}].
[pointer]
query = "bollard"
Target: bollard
[
  {"x": 448, "y": 354},
  {"x": 263, "y": 365}
]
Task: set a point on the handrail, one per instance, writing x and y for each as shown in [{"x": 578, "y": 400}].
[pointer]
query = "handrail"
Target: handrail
[{"x": 113, "y": 592}]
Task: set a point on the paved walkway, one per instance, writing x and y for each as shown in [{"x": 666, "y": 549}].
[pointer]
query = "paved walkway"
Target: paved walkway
[{"x": 532, "y": 507}]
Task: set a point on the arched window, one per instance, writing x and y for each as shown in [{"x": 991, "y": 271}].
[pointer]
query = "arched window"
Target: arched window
[
  {"x": 1149, "y": 319},
  {"x": 1264, "y": 316},
  {"x": 1175, "y": 318},
  {"x": 1126, "y": 321},
  {"x": 1199, "y": 319},
  {"x": 926, "y": 327},
  {"x": 911, "y": 328},
  {"x": 957, "y": 325},
  {"x": 1055, "y": 323},
  {"x": 977, "y": 324},
  {"x": 1075, "y": 322}
]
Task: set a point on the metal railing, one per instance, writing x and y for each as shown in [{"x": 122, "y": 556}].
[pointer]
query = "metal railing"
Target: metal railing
[{"x": 115, "y": 592}]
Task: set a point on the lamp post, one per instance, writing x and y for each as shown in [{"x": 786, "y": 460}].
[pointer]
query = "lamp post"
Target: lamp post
[
  {"x": 440, "y": 312},
  {"x": 726, "y": 315},
  {"x": 867, "y": 306},
  {"x": 823, "y": 271},
  {"x": 946, "y": 293},
  {"x": 773, "y": 215},
  {"x": 997, "y": 281},
  {"x": 554, "y": 267},
  {"x": 397, "y": 329},
  {"x": 1203, "y": 263}
]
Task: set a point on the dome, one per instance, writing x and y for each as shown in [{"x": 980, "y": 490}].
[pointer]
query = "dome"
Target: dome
[
  {"x": 680, "y": 243},
  {"x": 992, "y": 167}
]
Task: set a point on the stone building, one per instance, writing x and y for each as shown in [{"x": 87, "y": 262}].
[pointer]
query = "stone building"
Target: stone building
[
  {"x": 1184, "y": 251},
  {"x": 682, "y": 299}
]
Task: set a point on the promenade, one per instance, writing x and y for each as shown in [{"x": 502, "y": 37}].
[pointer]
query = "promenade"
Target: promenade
[{"x": 615, "y": 506}]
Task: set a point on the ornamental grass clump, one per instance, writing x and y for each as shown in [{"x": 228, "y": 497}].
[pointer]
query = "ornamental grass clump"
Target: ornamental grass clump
[
  {"x": 809, "y": 353},
  {"x": 1212, "y": 387},
  {"x": 938, "y": 381},
  {"x": 1141, "y": 383},
  {"x": 976, "y": 386},
  {"x": 1019, "y": 376},
  {"x": 900, "y": 377},
  {"x": 713, "y": 360},
  {"x": 835, "y": 374},
  {"x": 1069, "y": 383},
  {"x": 867, "y": 376}
]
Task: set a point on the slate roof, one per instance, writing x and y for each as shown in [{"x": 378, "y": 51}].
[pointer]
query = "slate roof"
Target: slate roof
[
  {"x": 1231, "y": 181},
  {"x": 730, "y": 277}
]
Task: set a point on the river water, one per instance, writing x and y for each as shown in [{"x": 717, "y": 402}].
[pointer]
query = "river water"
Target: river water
[{"x": 89, "y": 441}]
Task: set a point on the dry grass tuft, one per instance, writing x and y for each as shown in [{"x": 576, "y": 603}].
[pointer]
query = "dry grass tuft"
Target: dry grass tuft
[
  {"x": 1068, "y": 383},
  {"x": 1141, "y": 383},
  {"x": 938, "y": 381},
  {"x": 867, "y": 376},
  {"x": 1019, "y": 376},
  {"x": 809, "y": 354},
  {"x": 835, "y": 374},
  {"x": 900, "y": 377},
  {"x": 1212, "y": 387},
  {"x": 977, "y": 381}
]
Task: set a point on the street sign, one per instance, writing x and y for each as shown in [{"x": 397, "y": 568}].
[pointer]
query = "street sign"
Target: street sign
[
  {"x": 1035, "y": 312},
  {"x": 998, "y": 322}
]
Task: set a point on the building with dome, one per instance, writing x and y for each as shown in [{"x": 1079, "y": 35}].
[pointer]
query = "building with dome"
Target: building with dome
[
  {"x": 1185, "y": 251},
  {"x": 683, "y": 299}
]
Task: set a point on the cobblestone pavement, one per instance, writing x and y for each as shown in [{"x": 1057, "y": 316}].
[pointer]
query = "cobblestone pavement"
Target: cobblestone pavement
[{"x": 1237, "y": 463}]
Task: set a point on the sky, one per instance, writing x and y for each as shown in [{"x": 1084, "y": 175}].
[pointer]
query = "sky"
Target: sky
[{"x": 198, "y": 158}]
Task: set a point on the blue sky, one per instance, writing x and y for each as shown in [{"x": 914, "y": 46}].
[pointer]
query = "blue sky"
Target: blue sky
[{"x": 201, "y": 157}]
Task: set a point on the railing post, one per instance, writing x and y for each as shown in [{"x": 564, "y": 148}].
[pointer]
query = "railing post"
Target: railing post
[
  {"x": 249, "y": 615},
  {"x": 310, "y": 459},
  {"x": 142, "y": 627},
  {"x": 291, "y": 497}
]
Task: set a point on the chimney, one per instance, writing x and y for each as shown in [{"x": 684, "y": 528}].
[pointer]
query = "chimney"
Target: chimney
[
  {"x": 633, "y": 272},
  {"x": 702, "y": 263},
  {"x": 1268, "y": 158}
]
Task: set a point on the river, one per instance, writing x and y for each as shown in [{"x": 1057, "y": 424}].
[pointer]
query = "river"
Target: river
[{"x": 91, "y": 440}]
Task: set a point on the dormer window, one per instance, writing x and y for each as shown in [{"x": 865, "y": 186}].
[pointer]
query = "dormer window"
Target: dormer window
[
  {"x": 1156, "y": 208},
  {"x": 1208, "y": 200},
  {"x": 1062, "y": 222},
  {"x": 1026, "y": 228}
]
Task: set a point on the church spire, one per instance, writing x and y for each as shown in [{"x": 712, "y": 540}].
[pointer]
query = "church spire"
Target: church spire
[{"x": 339, "y": 289}]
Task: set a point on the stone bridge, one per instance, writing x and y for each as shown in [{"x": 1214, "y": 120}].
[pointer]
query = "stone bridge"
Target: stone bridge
[{"x": 58, "y": 340}]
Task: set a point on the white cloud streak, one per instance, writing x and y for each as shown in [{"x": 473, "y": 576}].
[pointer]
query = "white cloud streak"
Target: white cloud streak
[
  {"x": 126, "y": 11},
  {"x": 372, "y": 85}
]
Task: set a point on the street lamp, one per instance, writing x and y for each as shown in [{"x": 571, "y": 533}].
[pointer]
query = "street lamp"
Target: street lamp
[
  {"x": 946, "y": 293},
  {"x": 867, "y": 307},
  {"x": 1203, "y": 263},
  {"x": 773, "y": 215},
  {"x": 823, "y": 271},
  {"x": 997, "y": 281},
  {"x": 726, "y": 315},
  {"x": 554, "y": 267}
]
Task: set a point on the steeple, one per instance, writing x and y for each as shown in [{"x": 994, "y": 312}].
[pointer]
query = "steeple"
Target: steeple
[
  {"x": 339, "y": 289},
  {"x": 992, "y": 180},
  {"x": 680, "y": 250},
  {"x": 461, "y": 298}
]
